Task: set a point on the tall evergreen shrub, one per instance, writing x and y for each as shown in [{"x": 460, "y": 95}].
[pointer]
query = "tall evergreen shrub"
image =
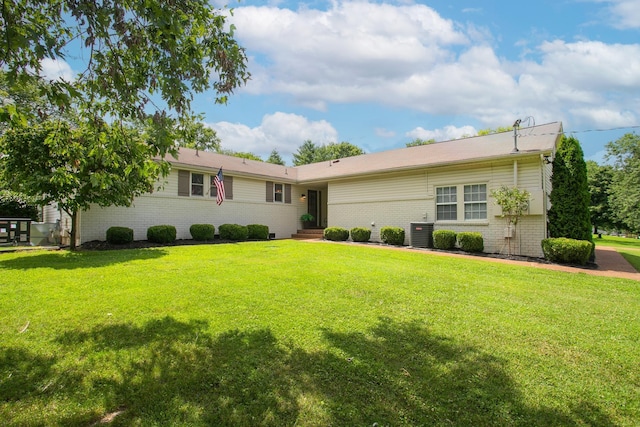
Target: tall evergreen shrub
[{"x": 569, "y": 215}]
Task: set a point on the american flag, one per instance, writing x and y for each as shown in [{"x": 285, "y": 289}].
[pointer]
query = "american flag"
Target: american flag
[{"x": 218, "y": 180}]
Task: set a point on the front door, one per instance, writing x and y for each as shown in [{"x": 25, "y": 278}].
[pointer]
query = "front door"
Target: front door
[{"x": 313, "y": 205}]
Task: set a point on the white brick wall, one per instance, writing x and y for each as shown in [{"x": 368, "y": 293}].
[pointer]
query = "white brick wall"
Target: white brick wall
[
  {"x": 400, "y": 199},
  {"x": 165, "y": 207}
]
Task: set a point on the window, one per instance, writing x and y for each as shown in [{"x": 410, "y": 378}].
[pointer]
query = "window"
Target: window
[
  {"x": 475, "y": 201},
  {"x": 446, "y": 204},
  {"x": 278, "y": 193},
  {"x": 197, "y": 184}
]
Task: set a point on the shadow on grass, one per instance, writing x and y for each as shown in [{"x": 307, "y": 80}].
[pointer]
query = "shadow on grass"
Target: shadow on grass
[
  {"x": 172, "y": 372},
  {"x": 65, "y": 260}
]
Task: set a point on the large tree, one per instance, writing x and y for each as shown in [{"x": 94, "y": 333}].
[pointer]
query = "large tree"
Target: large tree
[
  {"x": 600, "y": 179},
  {"x": 309, "y": 152},
  {"x": 625, "y": 189},
  {"x": 306, "y": 154},
  {"x": 275, "y": 158},
  {"x": 142, "y": 58},
  {"x": 78, "y": 166},
  {"x": 569, "y": 214}
]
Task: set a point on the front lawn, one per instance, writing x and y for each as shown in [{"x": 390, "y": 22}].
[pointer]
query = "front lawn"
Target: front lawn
[
  {"x": 627, "y": 247},
  {"x": 311, "y": 334}
]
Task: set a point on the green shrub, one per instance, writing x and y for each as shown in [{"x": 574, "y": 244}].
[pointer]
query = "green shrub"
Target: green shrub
[
  {"x": 202, "y": 232},
  {"x": 392, "y": 235},
  {"x": 234, "y": 232},
  {"x": 470, "y": 241},
  {"x": 360, "y": 234},
  {"x": 17, "y": 205},
  {"x": 336, "y": 234},
  {"x": 161, "y": 234},
  {"x": 258, "y": 232},
  {"x": 119, "y": 235},
  {"x": 444, "y": 239},
  {"x": 567, "y": 251}
]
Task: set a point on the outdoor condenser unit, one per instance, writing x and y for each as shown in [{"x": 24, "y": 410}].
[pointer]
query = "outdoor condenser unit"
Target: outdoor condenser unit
[{"x": 422, "y": 234}]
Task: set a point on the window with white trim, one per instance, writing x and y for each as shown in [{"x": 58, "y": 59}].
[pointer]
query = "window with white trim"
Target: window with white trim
[
  {"x": 197, "y": 184},
  {"x": 278, "y": 193},
  {"x": 446, "y": 204},
  {"x": 475, "y": 201}
]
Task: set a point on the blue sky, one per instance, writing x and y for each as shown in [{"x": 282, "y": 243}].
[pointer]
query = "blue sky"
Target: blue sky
[{"x": 380, "y": 74}]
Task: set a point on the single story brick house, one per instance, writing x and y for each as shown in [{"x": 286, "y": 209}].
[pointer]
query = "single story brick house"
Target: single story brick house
[{"x": 445, "y": 183}]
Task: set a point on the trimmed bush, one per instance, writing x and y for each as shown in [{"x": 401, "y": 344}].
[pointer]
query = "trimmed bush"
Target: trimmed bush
[
  {"x": 567, "y": 251},
  {"x": 444, "y": 239},
  {"x": 161, "y": 234},
  {"x": 234, "y": 232},
  {"x": 392, "y": 235},
  {"x": 202, "y": 232},
  {"x": 336, "y": 234},
  {"x": 119, "y": 235},
  {"x": 360, "y": 234},
  {"x": 470, "y": 241},
  {"x": 258, "y": 232}
]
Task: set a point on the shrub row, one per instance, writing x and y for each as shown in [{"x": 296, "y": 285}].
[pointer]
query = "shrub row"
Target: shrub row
[
  {"x": 201, "y": 232},
  {"x": 567, "y": 251},
  {"x": 468, "y": 241}
]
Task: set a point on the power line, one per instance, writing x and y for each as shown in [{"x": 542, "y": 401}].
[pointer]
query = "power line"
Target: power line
[{"x": 571, "y": 132}]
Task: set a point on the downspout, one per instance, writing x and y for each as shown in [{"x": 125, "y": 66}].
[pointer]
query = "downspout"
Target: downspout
[
  {"x": 543, "y": 172},
  {"x": 515, "y": 185}
]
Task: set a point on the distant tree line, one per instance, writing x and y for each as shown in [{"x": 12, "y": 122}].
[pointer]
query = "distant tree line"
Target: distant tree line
[{"x": 615, "y": 187}]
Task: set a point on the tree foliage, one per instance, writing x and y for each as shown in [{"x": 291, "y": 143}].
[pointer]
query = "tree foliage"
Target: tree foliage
[
  {"x": 625, "y": 188},
  {"x": 77, "y": 167},
  {"x": 600, "y": 179},
  {"x": 17, "y": 205},
  {"x": 417, "y": 142},
  {"x": 514, "y": 203},
  {"x": 499, "y": 129},
  {"x": 275, "y": 158},
  {"x": 306, "y": 154},
  {"x": 569, "y": 214},
  {"x": 199, "y": 137},
  {"x": 145, "y": 57},
  {"x": 241, "y": 154},
  {"x": 309, "y": 152}
]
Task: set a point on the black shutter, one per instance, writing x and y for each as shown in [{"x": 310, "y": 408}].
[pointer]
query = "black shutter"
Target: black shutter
[
  {"x": 287, "y": 193},
  {"x": 184, "y": 183},
  {"x": 269, "y": 192},
  {"x": 228, "y": 187}
]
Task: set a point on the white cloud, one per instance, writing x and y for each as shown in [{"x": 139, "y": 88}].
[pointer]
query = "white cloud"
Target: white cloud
[
  {"x": 282, "y": 131},
  {"x": 625, "y": 13},
  {"x": 408, "y": 56},
  {"x": 336, "y": 55},
  {"x": 445, "y": 134},
  {"x": 54, "y": 69}
]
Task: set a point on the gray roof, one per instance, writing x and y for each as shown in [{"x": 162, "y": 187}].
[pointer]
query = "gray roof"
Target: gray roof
[
  {"x": 534, "y": 140},
  {"x": 204, "y": 160}
]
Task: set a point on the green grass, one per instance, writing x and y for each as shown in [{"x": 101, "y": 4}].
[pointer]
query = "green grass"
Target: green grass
[
  {"x": 627, "y": 247},
  {"x": 311, "y": 334}
]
